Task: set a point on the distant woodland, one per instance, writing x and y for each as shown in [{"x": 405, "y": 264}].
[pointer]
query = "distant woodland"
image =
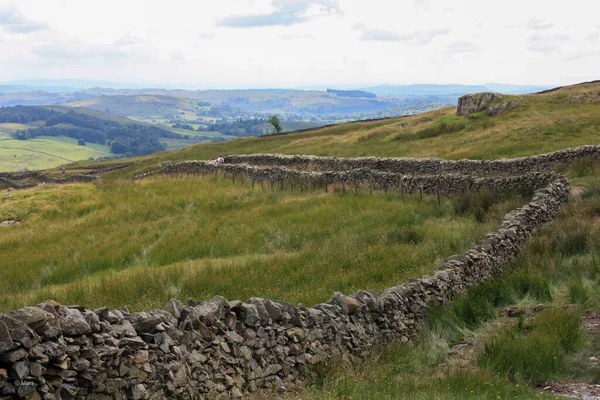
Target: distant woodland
[{"x": 122, "y": 138}]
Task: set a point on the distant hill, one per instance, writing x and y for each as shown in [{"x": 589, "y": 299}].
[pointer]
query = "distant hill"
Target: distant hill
[
  {"x": 425, "y": 90},
  {"x": 352, "y": 93},
  {"x": 121, "y": 135}
]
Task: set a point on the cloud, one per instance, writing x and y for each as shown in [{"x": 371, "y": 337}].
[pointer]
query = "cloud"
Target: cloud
[
  {"x": 460, "y": 47},
  {"x": 420, "y": 37},
  {"x": 206, "y": 35},
  {"x": 13, "y": 21},
  {"x": 543, "y": 43},
  {"x": 287, "y": 12},
  {"x": 539, "y": 25}
]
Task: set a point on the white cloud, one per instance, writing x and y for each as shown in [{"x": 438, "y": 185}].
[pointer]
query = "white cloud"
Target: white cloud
[
  {"x": 285, "y": 13},
  {"x": 420, "y": 37},
  {"x": 14, "y": 21},
  {"x": 298, "y": 42}
]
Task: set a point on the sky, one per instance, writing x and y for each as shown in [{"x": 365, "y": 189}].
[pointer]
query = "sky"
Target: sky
[{"x": 225, "y": 44}]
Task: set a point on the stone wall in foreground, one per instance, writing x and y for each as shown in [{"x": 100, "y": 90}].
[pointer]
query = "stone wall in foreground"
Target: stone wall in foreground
[
  {"x": 414, "y": 166},
  {"x": 218, "y": 347}
]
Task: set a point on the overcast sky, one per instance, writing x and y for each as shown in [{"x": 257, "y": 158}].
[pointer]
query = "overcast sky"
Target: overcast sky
[{"x": 292, "y": 43}]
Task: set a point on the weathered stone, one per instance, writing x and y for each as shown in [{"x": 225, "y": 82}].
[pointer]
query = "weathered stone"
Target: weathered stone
[
  {"x": 139, "y": 392},
  {"x": 93, "y": 321},
  {"x": 472, "y": 103},
  {"x": 13, "y": 356},
  {"x": 6, "y": 343},
  {"x": 72, "y": 322},
  {"x": 503, "y": 107},
  {"x": 124, "y": 329},
  {"x": 149, "y": 322},
  {"x": 248, "y": 314},
  {"x": 18, "y": 332},
  {"x": 42, "y": 322},
  {"x": 174, "y": 307}
]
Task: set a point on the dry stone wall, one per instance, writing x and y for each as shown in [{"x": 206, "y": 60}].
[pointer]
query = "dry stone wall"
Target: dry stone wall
[
  {"x": 442, "y": 184},
  {"x": 43, "y": 178},
  {"x": 413, "y": 166},
  {"x": 217, "y": 347}
]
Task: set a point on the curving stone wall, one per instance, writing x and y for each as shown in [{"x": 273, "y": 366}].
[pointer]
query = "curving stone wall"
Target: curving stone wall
[
  {"x": 218, "y": 347},
  {"x": 442, "y": 184},
  {"x": 413, "y": 166}
]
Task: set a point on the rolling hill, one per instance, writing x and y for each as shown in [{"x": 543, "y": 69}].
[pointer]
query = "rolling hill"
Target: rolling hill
[
  {"x": 541, "y": 123},
  {"x": 42, "y": 137},
  {"x": 117, "y": 241}
]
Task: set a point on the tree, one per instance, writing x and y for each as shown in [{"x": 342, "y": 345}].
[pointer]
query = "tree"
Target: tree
[
  {"x": 81, "y": 142},
  {"x": 273, "y": 120}
]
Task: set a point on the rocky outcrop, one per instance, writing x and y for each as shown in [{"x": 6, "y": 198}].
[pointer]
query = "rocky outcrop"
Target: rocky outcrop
[
  {"x": 472, "y": 103},
  {"x": 503, "y": 107}
]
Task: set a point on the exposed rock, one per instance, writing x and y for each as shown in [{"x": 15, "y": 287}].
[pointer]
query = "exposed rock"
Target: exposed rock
[
  {"x": 72, "y": 322},
  {"x": 18, "y": 332},
  {"x": 472, "y": 103},
  {"x": 42, "y": 322},
  {"x": 503, "y": 107},
  {"x": 174, "y": 307}
]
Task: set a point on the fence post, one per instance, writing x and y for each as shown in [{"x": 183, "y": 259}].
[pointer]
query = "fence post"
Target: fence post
[
  {"x": 420, "y": 192},
  {"x": 438, "y": 196},
  {"x": 370, "y": 188}
]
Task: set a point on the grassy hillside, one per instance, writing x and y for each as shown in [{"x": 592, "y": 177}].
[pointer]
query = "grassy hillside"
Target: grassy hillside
[
  {"x": 137, "y": 243},
  {"x": 542, "y": 123},
  {"x": 48, "y": 136},
  {"x": 141, "y": 243},
  {"x": 45, "y": 152}
]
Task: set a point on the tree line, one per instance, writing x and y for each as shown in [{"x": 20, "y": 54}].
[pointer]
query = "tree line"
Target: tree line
[{"x": 122, "y": 138}]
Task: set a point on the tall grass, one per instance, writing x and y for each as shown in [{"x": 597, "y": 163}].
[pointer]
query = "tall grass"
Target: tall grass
[
  {"x": 538, "y": 352},
  {"x": 443, "y": 126},
  {"x": 139, "y": 243}
]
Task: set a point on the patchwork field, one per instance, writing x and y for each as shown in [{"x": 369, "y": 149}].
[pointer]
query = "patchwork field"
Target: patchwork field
[{"x": 45, "y": 152}]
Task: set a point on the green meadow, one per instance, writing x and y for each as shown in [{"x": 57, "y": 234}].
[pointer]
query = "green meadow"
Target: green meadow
[
  {"x": 138, "y": 244},
  {"x": 45, "y": 152}
]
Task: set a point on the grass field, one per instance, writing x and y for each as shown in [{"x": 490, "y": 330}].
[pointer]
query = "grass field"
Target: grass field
[
  {"x": 508, "y": 356},
  {"x": 45, "y": 152},
  {"x": 141, "y": 243},
  {"x": 118, "y": 242}
]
